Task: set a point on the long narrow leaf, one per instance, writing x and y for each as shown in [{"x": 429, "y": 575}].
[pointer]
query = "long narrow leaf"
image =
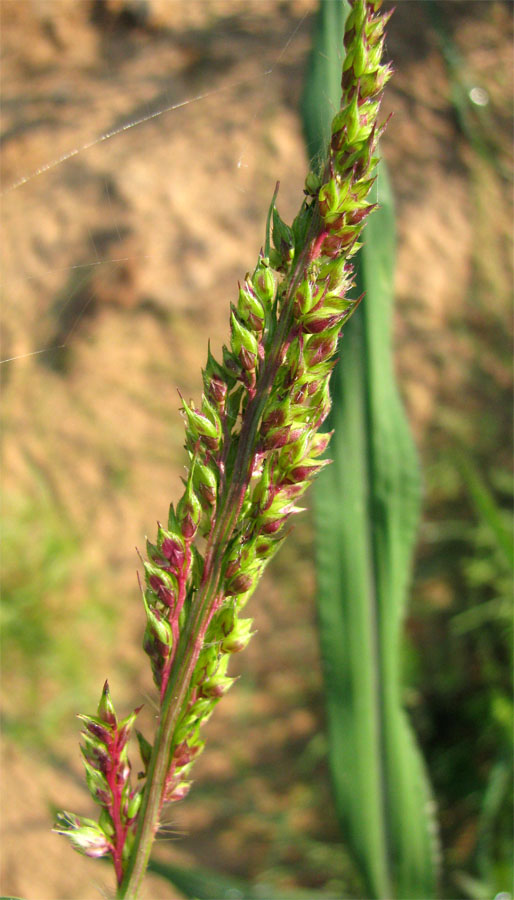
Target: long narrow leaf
[
  {"x": 322, "y": 94},
  {"x": 205, "y": 884},
  {"x": 366, "y": 515}
]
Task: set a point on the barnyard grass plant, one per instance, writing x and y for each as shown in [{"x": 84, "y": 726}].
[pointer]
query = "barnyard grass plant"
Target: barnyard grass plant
[{"x": 254, "y": 446}]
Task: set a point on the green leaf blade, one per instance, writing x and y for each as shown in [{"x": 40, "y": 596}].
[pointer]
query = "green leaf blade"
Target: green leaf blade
[
  {"x": 367, "y": 506},
  {"x": 366, "y": 513}
]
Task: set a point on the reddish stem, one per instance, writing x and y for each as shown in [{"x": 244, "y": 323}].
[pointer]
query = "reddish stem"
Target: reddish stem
[
  {"x": 174, "y": 621},
  {"x": 120, "y": 832}
]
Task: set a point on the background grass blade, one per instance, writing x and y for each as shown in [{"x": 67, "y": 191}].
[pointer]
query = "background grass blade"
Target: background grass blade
[
  {"x": 488, "y": 512},
  {"x": 470, "y": 101},
  {"x": 322, "y": 94},
  {"x": 366, "y": 516},
  {"x": 205, "y": 884}
]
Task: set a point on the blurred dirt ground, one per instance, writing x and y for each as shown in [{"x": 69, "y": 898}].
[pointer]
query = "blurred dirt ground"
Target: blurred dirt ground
[{"x": 119, "y": 259}]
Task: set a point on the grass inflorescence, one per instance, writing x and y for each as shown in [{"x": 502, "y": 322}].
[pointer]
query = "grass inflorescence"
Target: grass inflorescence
[{"x": 254, "y": 446}]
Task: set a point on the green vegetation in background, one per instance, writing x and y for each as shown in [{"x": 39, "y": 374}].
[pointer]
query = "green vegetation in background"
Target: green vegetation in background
[
  {"x": 366, "y": 515},
  {"x": 470, "y": 100},
  {"x": 42, "y": 617},
  {"x": 462, "y": 614},
  {"x": 465, "y": 581},
  {"x": 487, "y": 569}
]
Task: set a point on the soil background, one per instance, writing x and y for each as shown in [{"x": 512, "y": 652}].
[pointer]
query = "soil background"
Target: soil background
[{"x": 120, "y": 256}]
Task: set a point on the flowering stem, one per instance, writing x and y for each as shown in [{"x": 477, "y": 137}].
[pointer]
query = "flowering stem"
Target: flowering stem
[
  {"x": 177, "y": 689},
  {"x": 192, "y": 637}
]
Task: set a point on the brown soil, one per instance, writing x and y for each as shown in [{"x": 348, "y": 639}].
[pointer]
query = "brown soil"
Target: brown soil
[{"x": 119, "y": 264}]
